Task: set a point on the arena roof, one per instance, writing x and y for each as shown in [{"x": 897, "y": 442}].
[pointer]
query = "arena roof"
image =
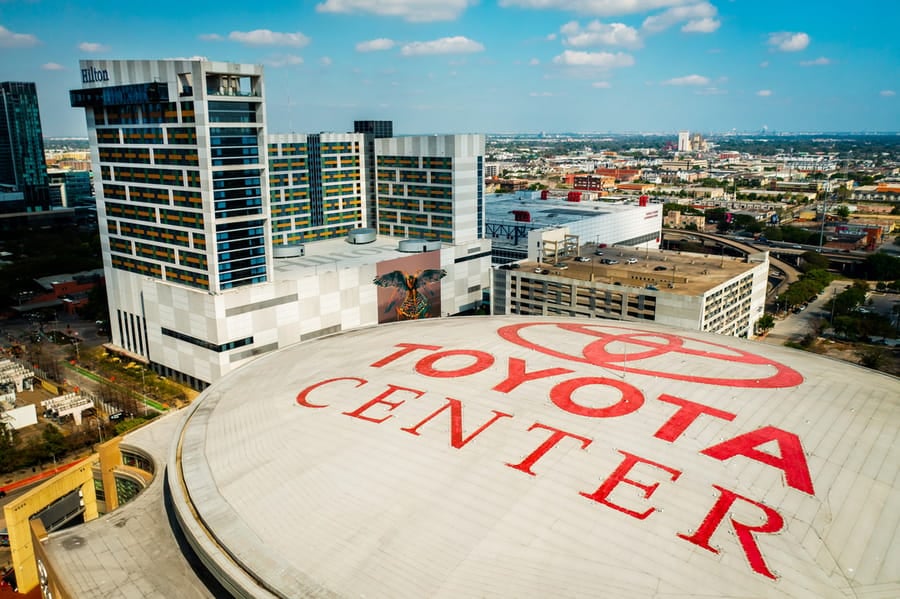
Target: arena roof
[
  {"x": 514, "y": 457},
  {"x": 552, "y": 212}
]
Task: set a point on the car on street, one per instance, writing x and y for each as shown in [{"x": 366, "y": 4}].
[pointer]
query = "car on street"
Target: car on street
[
  {"x": 631, "y": 261},
  {"x": 659, "y": 268},
  {"x": 598, "y": 253},
  {"x": 582, "y": 259},
  {"x": 561, "y": 265}
]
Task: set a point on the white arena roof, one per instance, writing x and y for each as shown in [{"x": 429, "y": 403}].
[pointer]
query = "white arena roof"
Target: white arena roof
[{"x": 514, "y": 457}]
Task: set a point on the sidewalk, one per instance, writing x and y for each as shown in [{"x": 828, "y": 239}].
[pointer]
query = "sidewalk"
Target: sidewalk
[{"x": 40, "y": 476}]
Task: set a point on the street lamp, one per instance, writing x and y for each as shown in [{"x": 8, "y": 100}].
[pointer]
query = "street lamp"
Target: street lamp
[{"x": 99, "y": 429}]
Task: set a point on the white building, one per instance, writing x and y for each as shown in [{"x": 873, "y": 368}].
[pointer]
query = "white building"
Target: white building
[
  {"x": 690, "y": 291},
  {"x": 684, "y": 141},
  {"x": 210, "y": 227},
  {"x": 431, "y": 187},
  {"x": 520, "y": 225}
]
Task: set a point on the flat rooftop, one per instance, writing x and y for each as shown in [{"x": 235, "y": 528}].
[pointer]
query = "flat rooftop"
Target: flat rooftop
[
  {"x": 335, "y": 254},
  {"x": 550, "y": 213},
  {"x": 682, "y": 273}
]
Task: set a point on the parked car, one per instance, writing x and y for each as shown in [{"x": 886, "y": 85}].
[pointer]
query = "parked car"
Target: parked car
[
  {"x": 582, "y": 259},
  {"x": 561, "y": 265},
  {"x": 659, "y": 268},
  {"x": 631, "y": 261}
]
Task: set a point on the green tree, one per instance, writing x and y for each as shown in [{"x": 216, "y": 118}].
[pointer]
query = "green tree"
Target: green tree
[
  {"x": 813, "y": 261},
  {"x": 765, "y": 323},
  {"x": 873, "y": 357},
  {"x": 54, "y": 443},
  {"x": 843, "y": 211},
  {"x": 882, "y": 267},
  {"x": 9, "y": 456}
]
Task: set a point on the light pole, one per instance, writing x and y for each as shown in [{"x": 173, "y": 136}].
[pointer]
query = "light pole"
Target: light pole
[{"x": 99, "y": 429}]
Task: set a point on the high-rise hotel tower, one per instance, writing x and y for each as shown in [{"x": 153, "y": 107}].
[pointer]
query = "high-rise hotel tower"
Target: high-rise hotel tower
[
  {"x": 222, "y": 242},
  {"x": 179, "y": 153}
]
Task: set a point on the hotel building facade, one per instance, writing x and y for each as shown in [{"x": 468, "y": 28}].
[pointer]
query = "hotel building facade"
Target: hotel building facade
[{"x": 221, "y": 242}]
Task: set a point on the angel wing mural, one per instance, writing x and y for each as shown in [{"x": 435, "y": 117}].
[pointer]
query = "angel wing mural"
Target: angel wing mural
[{"x": 414, "y": 293}]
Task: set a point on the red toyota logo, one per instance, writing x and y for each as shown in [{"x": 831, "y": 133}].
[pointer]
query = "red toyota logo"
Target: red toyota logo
[{"x": 697, "y": 355}]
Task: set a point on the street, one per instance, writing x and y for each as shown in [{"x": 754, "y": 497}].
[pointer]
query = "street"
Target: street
[{"x": 793, "y": 327}]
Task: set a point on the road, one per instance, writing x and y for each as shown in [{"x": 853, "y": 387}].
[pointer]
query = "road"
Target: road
[{"x": 794, "y": 327}]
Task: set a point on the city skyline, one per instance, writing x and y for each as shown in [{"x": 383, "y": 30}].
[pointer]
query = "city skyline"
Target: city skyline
[{"x": 508, "y": 66}]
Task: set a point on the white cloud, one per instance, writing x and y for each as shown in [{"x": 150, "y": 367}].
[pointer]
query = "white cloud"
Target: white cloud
[
  {"x": 601, "y": 85},
  {"x": 887, "y": 93},
  {"x": 601, "y": 60},
  {"x": 325, "y": 61},
  {"x": 764, "y": 93},
  {"x": 688, "y": 80},
  {"x": 265, "y": 37},
  {"x": 699, "y": 18},
  {"x": 596, "y": 33},
  {"x": 283, "y": 60},
  {"x": 210, "y": 37},
  {"x": 541, "y": 94},
  {"x": 409, "y": 10},
  {"x": 599, "y": 8},
  {"x": 11, "y": 39},
  {"x": 819, "y": 62},
  {"x": 764, "y": 64},
  {"x": 550, "y": 37},
  {"x": 787, "y": 41},
  {"x": 92, "y": 47},
  {"x": 53, "y": 66},
  {"x": 445, "y": 45},
  {"x": 376, "y": 45},
  {"x": 704, "y": 25},
  {"x": 534, "y": 62}
]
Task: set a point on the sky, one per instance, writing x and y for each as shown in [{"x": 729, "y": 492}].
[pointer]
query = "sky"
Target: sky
[{"x": 495, "y": 66}]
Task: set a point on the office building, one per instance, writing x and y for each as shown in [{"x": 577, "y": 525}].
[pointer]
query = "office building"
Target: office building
[
  {"x": 684, "y": 141},
  {"x": 498, "y": 457},
  {"x": 372, "y": 130},
  {"x": 73, "y": 188},
  {"x": 22, "y": 165},
  {"x": 221, "y": 242}
]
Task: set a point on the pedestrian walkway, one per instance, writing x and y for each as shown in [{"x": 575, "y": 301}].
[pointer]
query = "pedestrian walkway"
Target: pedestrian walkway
[{"x": 39, "y": 477}]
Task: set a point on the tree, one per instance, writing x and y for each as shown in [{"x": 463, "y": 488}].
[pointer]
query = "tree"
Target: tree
[
  {"x": 882, "y": 267},
  {"x": 873, "y": 357},
  {"x": 54, "y": 442},
  {"x": 813, "y": 261},
  {"x": 765, "y": 323},
  {"x": 843, "y": 211}
]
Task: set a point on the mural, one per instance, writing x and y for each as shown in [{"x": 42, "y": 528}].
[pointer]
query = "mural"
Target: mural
[{"x": 409, "y": 287}]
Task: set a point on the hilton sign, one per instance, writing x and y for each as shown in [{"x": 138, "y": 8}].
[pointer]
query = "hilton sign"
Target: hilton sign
[{"x": 92, "y": 75}]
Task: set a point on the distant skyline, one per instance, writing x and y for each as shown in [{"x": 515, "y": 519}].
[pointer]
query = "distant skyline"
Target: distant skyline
[{"x": 453, "y": 66}]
